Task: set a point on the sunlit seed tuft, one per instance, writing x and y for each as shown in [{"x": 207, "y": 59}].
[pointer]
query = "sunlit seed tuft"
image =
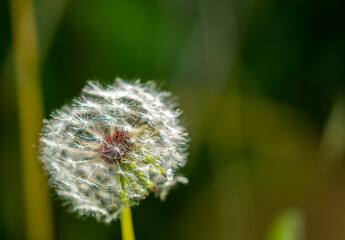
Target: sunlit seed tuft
[{"x": 112, "y": 145}]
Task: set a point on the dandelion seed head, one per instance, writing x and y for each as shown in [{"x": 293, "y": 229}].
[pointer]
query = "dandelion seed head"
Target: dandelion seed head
[{"x": 112, "y": 145}]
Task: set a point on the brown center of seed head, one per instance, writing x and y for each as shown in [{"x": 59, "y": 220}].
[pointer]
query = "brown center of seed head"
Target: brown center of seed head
[{"x": 115, "y": 146}]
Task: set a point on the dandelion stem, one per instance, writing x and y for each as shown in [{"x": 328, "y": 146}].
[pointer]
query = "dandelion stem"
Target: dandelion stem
[{"x": 127, "y": 224}]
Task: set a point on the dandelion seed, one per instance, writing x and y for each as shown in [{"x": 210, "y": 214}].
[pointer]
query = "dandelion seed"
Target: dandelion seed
[{"x": 112, "y": 145}]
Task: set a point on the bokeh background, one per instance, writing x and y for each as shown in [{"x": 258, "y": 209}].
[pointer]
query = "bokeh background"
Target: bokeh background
[{"x": 261, "y": 84}]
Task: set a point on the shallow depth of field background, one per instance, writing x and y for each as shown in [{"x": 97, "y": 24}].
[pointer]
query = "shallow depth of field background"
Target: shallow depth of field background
[{"x": 261, "y": 84}]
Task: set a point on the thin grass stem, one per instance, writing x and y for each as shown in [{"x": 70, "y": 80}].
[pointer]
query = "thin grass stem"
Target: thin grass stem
[{"x": 30, "y": 111}]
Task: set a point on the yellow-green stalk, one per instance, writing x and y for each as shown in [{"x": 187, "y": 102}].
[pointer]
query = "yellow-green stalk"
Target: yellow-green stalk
[
  {"x": 30, "y": 111},
  {"x": 127, "y": 224}
]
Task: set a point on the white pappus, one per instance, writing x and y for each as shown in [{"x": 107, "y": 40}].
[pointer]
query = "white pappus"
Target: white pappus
[{"x": 114, "y": 145}]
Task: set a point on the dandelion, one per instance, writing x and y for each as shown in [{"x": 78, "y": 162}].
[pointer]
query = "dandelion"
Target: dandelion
[{"x": 113, "y": 146}]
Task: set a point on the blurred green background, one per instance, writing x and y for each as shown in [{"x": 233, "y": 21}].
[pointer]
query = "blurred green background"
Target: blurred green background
[{"x": 261, "y": 84}]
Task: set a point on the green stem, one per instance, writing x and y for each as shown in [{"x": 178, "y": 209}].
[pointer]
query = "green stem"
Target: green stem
[
  {"x": 38, "y": 212},
  {"x": 127, "y": 224}
]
